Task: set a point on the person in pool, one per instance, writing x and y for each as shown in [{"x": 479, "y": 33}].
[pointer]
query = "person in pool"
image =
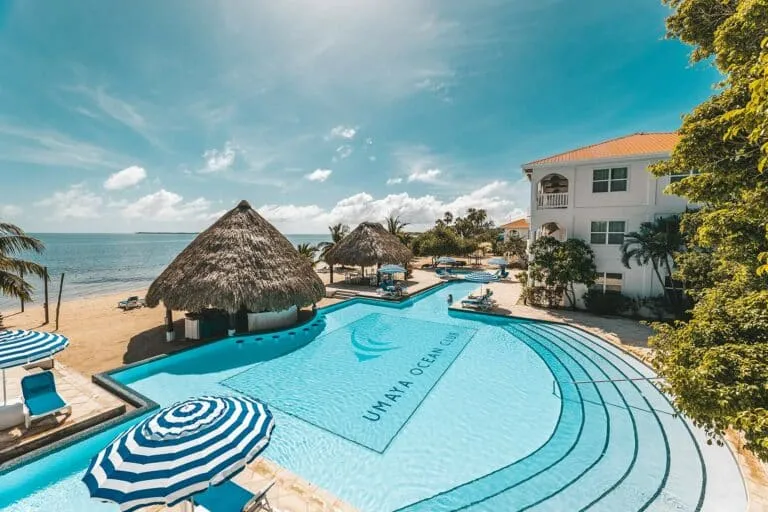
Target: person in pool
[{"x": 450, "y": 298}]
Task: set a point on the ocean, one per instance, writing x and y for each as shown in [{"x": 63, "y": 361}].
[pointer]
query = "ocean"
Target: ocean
[{"x": 98, "y": 264}]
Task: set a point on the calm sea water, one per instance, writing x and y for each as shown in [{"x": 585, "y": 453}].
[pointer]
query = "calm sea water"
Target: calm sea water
[{"x": 97, "y": 264}]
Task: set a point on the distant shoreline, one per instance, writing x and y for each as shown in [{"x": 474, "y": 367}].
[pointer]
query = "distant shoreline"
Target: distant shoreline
[{"x": 166, "y": 233}]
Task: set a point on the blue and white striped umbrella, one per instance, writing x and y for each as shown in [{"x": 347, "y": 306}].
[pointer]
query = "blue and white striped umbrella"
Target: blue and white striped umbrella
[
  {"x": 480, "y": 277},
  {"x": 180, "y": 451},
  {"x": 391, "y": 269},
  {"x": 23, "y": 347},
  {"x": 502, "y": 262}
]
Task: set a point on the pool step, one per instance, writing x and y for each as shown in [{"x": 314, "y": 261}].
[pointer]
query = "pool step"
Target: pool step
[{"x": 344, "y": 294}]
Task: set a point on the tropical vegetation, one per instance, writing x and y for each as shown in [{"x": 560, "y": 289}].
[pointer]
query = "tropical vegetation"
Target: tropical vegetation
[
  {"x": 308, "y": 251},
  {"x": 715, "y": 364},
  {"x": 13, "y": 269},
  {"x": 656, "y": 243},
  {"x": 556, "y": 268},
  {"x": 338, "y": 232}
]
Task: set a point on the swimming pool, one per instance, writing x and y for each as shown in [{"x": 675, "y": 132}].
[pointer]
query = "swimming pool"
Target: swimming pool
[{"x": 411, "y": 407}]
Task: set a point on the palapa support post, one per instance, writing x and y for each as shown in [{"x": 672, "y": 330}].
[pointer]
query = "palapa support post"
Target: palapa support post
[
  {"x": 232, "y": 324},
  {"x": 170, "y": 334},
  {"x": 331, "y": 268},
  {"x": 378, "y": 275}
]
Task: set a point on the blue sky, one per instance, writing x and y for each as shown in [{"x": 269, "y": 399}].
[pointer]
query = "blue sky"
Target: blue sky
[{"x": 126, "y": 116}]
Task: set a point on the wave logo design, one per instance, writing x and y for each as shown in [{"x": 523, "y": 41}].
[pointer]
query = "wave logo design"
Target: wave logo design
[{"x": 367, "y": 348}]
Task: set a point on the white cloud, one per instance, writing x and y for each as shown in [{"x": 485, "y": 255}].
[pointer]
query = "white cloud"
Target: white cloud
[
  {"x": 342, "y": 152},
  {"x": 421, "y": 211},
  {"x": 394, "y": 181},
  {"x": 74, "y": 203},
  {"x": 217, "y": 161},
  {"x": 9, "y": 211},
  {"x": 167, "y": 206},
  {"x": 372, "y": 158},
  {"x": 319, "y": 175},
  {"x": 289, "y": 213},
  {"x": 343, "y": 132},
  {"x": 128, "y": 177},
  {"x": 426, "y": 176}
]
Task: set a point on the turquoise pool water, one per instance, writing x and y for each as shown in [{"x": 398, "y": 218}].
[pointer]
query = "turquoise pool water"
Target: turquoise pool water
[{"x": 411, "y": 407}]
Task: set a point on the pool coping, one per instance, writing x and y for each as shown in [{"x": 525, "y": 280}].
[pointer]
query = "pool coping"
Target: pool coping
[{"x": 144, "y": 404}]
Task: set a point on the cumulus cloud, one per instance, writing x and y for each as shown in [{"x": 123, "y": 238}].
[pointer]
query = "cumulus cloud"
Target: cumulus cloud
[
  {"x": 319, "y": 175},
  {"x": 426, "y": 176},
  {"x": 218, "y": 161},
  {"x": 74, "y": 203},
  {"x": 394, "y": 181},
  {"x": 343, "y": 132},
  {"x": 9, "y": 211},
  {"x": 167, "y": 206},
  {"x": 128, "y": 177},
  {"x": 420, "y": 211}
]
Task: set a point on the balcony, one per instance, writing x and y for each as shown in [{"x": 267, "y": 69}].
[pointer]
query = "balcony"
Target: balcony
[{"x": 549, "y": 201}]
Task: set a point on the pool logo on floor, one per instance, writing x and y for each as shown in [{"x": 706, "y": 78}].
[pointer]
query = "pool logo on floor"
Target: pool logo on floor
[{"x": 367, "y": 348}]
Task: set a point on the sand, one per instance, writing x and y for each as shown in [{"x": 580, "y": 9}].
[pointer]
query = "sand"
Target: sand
[{"x": 102, "y": 336}]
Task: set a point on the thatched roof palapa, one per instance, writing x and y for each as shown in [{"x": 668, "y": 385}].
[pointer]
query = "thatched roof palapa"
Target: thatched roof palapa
[
  {"x": 369, "y": 244},
  {"x": 241, "y": 260}
]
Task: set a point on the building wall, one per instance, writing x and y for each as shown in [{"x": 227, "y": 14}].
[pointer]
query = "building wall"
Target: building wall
[{"x": 643, "y": 200}]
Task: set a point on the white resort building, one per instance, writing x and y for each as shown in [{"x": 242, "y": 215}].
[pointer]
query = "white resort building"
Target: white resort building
[{"x": 600, "y": 192}]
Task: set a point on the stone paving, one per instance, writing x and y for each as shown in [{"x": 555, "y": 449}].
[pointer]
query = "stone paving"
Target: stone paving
[
  {"x": 290, "y": 493},
  {"x": 90, "y": 405}
]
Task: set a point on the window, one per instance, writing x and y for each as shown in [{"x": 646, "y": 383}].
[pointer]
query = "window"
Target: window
[
  {"x": 610, "y": 180},
  {"x": 609, "y": 232},
  {"x": 608, "y": 282},
  {"x": 674, "y": 178}
]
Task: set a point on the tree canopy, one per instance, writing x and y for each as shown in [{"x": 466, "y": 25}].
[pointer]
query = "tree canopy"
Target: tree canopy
[
  {"x": 716, "y": 364},
  {"x": 561, "y": 265}
]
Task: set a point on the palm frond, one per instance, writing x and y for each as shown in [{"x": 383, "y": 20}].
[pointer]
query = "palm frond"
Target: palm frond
[
  {"x": 13, "y": 286},
  {"x": 18, "y": 266}
]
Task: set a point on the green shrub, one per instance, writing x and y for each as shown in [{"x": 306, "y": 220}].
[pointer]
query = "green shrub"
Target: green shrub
[{"x": 609, "y": 303}]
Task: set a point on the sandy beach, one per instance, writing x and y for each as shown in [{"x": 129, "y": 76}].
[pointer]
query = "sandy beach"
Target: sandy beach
[{"x": 101, "y": 336}]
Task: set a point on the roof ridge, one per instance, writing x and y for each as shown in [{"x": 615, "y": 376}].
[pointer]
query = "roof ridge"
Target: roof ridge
[{"x": 588, "y": 146}]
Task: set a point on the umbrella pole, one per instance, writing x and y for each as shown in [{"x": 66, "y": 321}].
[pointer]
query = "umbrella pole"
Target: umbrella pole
[{"x": 4, "y": 394}]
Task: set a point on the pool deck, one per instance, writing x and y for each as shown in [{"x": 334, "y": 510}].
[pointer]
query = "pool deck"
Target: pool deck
[
  {"x": 421, "y": 280},
  {"x": 90, "y": 403},
  {"x": 290, "y": 493}
]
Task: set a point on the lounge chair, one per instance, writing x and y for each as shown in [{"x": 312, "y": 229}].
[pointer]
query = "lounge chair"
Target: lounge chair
[
  {"x": 41, "y": 398},
  {"x": 131, "y": 303},
  {"x": 230, "y": 497}
]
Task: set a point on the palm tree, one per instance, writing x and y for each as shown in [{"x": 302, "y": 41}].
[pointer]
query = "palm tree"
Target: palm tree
[
  {"x": 13, "y": 241},
  {"x": 397, "y": 227},
  {"x": 338, "y": 232},
  {"x": 307, "y": 251},
  {"x": 656, "y": 243}
]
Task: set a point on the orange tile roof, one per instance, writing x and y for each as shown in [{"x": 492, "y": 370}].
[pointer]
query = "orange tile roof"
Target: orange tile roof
[
  {"x": 629, "y": 145},
  {"x": 516, "y": 224}
]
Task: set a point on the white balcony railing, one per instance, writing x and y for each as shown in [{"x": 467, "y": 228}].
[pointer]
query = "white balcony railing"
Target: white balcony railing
[{"x": 547, "y": 201}]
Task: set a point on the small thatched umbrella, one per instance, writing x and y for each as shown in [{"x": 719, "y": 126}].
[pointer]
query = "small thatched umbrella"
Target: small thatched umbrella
[
  {"x": 240, "y": 261},
  {"x": 369, "y": 244}
]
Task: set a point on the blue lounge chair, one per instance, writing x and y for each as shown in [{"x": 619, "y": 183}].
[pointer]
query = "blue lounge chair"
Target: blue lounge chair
[
  {"x": 230, "y": 497},
  {"x": 41, "y": 398}
]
